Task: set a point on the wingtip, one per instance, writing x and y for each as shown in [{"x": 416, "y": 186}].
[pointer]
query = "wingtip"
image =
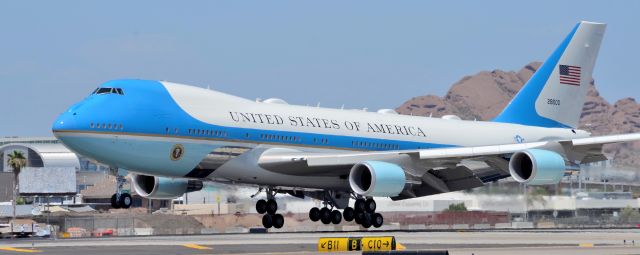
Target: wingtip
[{"x": 592, "y": 23}]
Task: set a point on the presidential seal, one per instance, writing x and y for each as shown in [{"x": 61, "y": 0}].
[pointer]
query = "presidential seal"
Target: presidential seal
[{"x": 176, "y": 152}]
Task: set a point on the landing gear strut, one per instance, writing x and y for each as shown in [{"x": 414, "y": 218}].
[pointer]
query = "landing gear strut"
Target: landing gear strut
[
  {"x": 268, "y": 208},
  {"x": 120, "y": 199}
]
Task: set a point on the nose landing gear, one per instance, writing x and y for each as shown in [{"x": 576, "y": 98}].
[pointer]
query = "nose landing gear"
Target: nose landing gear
[{"x": 120, "y": 199}]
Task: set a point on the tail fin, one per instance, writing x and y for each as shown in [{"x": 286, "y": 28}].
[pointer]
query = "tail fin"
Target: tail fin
[{"x": 555, "y": 94}]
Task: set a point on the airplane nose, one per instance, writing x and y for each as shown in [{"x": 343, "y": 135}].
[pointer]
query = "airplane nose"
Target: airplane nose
[
  {"x": 65, "y": 121},
  {"x": 69, "y": 119}
]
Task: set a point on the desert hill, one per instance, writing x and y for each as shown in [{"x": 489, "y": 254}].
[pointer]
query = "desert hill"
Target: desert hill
[{"x": 483, "y": 95}]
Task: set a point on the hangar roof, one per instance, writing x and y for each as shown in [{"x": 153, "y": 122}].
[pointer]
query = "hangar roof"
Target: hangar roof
[{"x": 44, "y": 155}]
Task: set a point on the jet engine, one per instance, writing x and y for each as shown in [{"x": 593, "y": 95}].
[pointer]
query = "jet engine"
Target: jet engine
[
  {"x": 155, "y": 187},
  {"x": 377, "y": 178},
  {"x": 537, "y": 167}
]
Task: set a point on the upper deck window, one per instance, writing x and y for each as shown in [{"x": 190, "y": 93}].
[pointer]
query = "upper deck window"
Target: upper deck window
[{"x": 101, "y": 91}]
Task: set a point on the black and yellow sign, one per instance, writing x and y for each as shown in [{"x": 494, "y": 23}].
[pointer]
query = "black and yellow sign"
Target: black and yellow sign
[
  {"x": 374, "y": 243},
  {"x": 378, "y": 243},
  {"x": 333, "y": 244}
]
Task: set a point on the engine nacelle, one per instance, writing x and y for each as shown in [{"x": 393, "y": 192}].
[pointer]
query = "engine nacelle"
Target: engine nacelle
[
  {"x": 537, "y": 167},
  {"x": 155, "y": 187},
  {"x": 377, "y": 178}
]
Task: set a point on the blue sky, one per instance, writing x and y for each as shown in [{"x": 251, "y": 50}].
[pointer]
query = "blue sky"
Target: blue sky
[{"x": 374, "y": 54}]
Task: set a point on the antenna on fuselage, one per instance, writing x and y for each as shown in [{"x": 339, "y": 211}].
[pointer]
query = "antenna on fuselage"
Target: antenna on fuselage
[
  {"x": 318, "y": 105},
  {"x": 342, "y": 107}
]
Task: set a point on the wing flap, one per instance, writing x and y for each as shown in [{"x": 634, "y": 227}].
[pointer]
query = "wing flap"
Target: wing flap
[{"x": 606, "y": 139}]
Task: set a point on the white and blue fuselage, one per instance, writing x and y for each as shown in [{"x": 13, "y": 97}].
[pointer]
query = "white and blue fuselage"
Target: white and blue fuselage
[{"x": 137, "y": 124}]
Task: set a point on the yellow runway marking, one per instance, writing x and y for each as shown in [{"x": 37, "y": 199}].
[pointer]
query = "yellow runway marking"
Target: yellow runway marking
[
  {"x": 400, "y": 247},
  {"x": 586, "y": 245},
  {"x": 197, "y": 247},
  {"x": 5, "y": 248}
]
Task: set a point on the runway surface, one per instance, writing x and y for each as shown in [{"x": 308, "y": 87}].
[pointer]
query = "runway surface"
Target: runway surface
[{"x": 521, "y": 242}]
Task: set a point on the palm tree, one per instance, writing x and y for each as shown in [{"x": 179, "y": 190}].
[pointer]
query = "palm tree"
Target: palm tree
[{"x": 16, "y": 161}]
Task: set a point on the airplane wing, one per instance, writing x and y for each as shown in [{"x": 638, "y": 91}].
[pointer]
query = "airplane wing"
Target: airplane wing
[
  {"x": 437, "y": 170},
  {"x": 294, "y": 162}
]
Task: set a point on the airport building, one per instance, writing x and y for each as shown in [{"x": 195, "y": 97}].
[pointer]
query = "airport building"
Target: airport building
[
  {"x": 49, "y": 172},
  {"x": 55, "y": 175}
]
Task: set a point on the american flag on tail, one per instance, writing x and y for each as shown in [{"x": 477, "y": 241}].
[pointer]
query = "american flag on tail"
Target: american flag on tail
[{"x": 570, "y": 75}]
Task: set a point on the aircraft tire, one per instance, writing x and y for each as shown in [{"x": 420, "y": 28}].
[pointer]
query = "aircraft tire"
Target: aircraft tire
[
  {"x": 261, "y": 206},
  {"x": 370, "y": 205},
  {"x": 278, "y": 220},
  {"x": 336, "y": 217},
  {"x": 314, "y": 214},
  {"x": 359, "y": 205},
  {"x": 377, "y": 220},
  {"x": 366, "y": 221},
  {"x": 325, "y": 215},
  {"x": 348, "y": 214},
  {"x": 267, "y": 220},
  {"x": 272, "y": 206},
  {"x": 125, "y": 201},
  {"x": 114, "y": 201},
  {"x": 358, "y": 217}
]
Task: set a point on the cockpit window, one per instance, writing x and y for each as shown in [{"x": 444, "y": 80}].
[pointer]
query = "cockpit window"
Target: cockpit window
[{"x": 101, "y": 91}]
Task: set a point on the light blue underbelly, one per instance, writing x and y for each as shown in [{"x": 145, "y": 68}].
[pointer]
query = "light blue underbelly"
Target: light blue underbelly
[{"x": 141, "y": 154}]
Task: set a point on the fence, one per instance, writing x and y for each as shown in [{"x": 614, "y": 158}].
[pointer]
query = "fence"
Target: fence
[{"x": 96, "y": 227}]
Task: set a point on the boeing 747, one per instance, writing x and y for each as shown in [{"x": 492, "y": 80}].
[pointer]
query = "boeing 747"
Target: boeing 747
[{"x": 173, "y": 138}]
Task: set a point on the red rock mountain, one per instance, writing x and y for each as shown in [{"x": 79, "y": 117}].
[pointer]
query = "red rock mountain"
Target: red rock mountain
[{"x": 483, "y": 95}]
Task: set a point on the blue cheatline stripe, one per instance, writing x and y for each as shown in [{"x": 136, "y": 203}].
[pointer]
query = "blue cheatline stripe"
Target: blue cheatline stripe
[
  {"x": 154, "y": 110},
  {"x": 522, "y": 109}
]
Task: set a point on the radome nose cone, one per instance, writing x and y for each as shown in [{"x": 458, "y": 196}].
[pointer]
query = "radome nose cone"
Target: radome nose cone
[
  {"x": 58, "y": 124},
  {"x": 64, "y": 121}
]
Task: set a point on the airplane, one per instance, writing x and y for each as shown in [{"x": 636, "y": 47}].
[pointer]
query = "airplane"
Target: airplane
[{"x": 173, "y": 137}]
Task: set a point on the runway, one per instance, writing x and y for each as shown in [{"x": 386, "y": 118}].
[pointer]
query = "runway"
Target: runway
[{"x": 521, "y": 242}]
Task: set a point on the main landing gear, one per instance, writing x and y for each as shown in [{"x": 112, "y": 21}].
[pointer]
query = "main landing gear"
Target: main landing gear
[
  {"x": 363, "y": 212},
  {"x": 120, "y": 199},
  {"x": 268, "y": 208},
  {"x": 325, "y": 215}
]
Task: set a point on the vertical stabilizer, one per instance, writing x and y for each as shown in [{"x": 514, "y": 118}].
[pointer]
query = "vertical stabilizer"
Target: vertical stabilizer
[{"x": 555, "y": 94}]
